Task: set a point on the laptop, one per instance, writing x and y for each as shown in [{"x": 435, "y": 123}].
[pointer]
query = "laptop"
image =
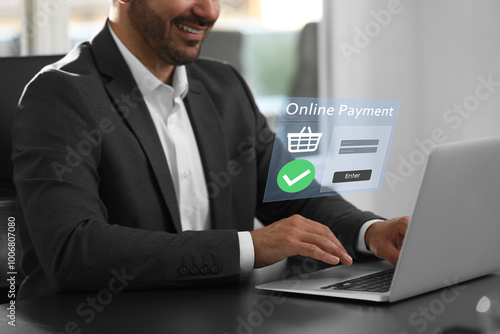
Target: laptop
[{"x": 453, "y": 234}]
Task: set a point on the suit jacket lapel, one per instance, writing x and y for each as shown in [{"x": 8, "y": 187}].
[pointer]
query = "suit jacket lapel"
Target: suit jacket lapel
[
  {"x": 209, "y": 133},
  {"x": 124, "y": 92}
]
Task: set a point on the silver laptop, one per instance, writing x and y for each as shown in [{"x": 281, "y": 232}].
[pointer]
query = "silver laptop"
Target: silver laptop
[{"x": 453, "y": 234}]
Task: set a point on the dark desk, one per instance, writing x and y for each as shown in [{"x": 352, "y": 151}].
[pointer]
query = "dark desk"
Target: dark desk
[{"x": 244, "y": 310}]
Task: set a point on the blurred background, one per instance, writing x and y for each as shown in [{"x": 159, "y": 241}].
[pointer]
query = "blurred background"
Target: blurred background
[
  {"x": 259, "y": 37},
  {"x": 441, "y": 58}
]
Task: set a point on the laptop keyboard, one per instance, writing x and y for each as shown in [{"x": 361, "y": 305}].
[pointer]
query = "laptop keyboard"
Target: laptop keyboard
[{"x": 378, "y": 282}]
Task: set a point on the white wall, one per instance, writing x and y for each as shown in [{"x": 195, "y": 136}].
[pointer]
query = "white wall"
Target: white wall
[{"x": 431, "y": 54}]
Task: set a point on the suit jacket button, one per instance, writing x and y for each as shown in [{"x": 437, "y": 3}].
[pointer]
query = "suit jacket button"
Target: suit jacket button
[
  {"x": 205, "y": 269},
  {"x": 216, "y": 268},
  {"x": 195, "y": 269},
  {"x": 184, "y": 270}
]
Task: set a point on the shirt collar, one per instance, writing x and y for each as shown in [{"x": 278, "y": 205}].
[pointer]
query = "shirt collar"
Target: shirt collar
[{"x": 146, "y": 80}]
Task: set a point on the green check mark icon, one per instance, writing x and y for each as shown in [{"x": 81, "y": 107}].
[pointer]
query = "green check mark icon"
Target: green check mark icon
[{"x": 296, "y": 176}]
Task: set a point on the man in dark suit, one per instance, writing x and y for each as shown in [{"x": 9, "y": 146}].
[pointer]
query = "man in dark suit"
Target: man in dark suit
[{"x": 136, "y": 162}]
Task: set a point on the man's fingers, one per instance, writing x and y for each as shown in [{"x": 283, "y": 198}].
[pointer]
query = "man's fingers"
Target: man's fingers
[
  {"x": 311, "y": 250},
  {"x": 391, "y": 254},
  {"x": 387, "y": 251},
  {"x": 328, "y": 245},
  {"x": 405, "y": 219},
  {"x": 385, "y": 238},
  {"x": 323, "y": 230},
  {"x": 403, "y": 227},
  {"x": 297, "y": 235}
]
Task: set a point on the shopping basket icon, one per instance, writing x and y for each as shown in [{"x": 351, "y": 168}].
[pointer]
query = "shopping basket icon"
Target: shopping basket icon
[{"x": 303, "y": 141}]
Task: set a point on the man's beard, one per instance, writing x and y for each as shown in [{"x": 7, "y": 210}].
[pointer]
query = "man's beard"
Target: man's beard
[{"x": 153, "y": 30}]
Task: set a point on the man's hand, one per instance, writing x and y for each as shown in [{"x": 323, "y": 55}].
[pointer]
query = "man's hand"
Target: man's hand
[
  {"x": 384, "y": 239},
  {"x": 297, "y": 235}
]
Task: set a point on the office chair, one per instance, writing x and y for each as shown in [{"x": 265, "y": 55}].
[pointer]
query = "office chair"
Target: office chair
[{"x": 15, "y": 73}]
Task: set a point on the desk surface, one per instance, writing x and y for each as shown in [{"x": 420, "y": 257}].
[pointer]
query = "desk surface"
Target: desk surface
[{"x": 243, "y": 309}]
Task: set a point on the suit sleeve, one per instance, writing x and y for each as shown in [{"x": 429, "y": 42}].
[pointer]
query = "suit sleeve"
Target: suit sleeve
[{"x": 67, "y": 221}]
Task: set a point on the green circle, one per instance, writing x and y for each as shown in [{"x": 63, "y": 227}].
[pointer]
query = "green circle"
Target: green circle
[{"x": 296, "y": 176}]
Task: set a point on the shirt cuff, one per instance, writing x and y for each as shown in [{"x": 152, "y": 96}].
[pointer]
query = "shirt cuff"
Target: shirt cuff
[
  {"x": 361, "y": 244},
  {"x": 247, "y": 254}
]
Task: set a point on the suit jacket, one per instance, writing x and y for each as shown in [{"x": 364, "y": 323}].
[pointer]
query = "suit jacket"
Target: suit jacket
[{"x": 95, "y": 189}]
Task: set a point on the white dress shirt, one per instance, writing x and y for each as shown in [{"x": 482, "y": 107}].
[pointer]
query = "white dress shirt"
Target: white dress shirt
[{"x": 169, "y": 114}]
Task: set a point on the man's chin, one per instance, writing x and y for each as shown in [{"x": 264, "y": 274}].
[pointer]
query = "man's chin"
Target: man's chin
[
  {"x": 182, "y": 57},
  {"x": 179, "y": 60}
]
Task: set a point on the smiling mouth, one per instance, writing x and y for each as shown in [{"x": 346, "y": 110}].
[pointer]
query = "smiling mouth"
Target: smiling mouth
[{"x": 188, "y": 29}]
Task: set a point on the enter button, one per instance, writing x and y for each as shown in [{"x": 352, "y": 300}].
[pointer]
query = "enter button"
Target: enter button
[{"x": 352, "y": 176}]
